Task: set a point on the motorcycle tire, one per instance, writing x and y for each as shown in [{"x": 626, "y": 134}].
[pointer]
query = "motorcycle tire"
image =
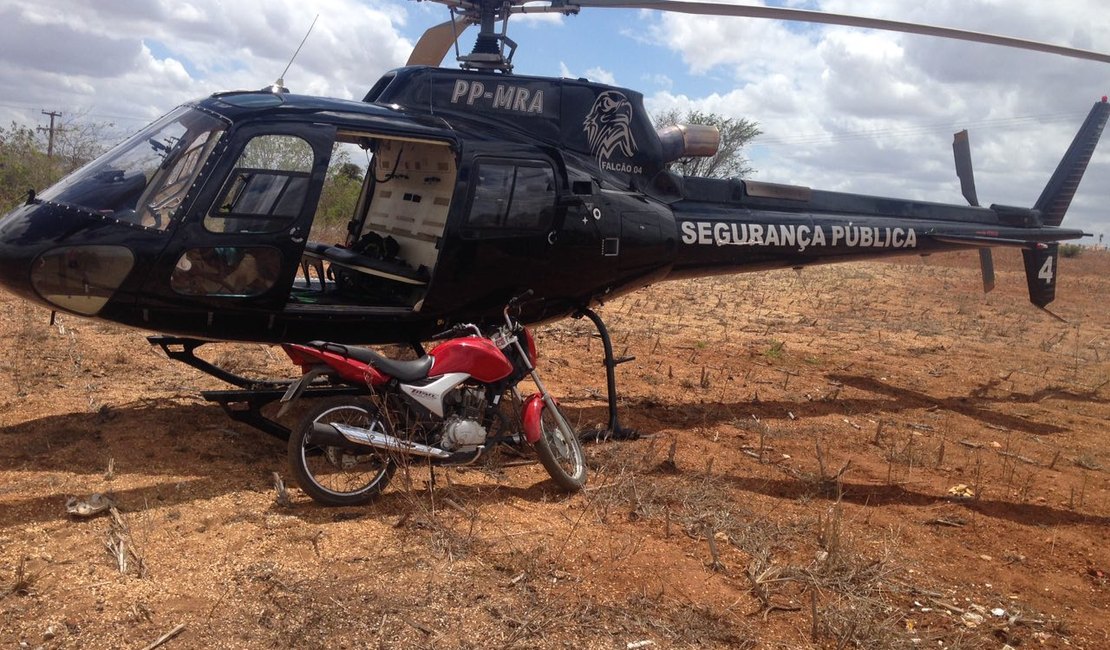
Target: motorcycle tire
[
  {"x": 334, "y": 475},
  {"x": 560, "y": 451}
]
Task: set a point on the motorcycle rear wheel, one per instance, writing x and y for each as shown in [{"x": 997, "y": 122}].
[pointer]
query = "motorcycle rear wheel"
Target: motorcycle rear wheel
[
  {"x": 559, "y": 450},
  {"x": 340, "y": 476}
]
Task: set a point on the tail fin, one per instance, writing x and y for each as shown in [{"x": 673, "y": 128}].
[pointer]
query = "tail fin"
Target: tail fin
[
  {"x": 1057, "y": 195},
  {"x": 1040, "y": 273}
]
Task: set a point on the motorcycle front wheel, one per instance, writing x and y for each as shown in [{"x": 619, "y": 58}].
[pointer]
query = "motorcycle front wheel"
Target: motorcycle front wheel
[
  {"x": 340, "y": 475},
  {"x": 560, "y": 451}
]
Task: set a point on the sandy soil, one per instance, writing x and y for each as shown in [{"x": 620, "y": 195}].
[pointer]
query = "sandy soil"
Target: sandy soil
[{"x": 806, "y": 436}]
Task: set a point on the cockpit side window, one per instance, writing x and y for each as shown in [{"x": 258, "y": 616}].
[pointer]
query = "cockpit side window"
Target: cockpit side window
[{"x": 267, "y": 189}]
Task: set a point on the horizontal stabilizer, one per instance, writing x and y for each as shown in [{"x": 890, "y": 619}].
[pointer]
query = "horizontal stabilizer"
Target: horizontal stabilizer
[
  {"x": 972, "y": 240},
  {"x": 1057, "y": 195}
]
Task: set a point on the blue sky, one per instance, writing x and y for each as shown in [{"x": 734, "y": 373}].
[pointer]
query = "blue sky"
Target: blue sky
[{"x": 841, "y": 109}]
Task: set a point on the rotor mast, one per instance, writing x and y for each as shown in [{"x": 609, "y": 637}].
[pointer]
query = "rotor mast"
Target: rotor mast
[
  {"x": 493, "y": 49},
  {"x": 489, "y": 52}
]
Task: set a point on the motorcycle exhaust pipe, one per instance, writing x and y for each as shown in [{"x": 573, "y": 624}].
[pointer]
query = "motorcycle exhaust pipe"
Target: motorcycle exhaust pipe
[{"x": 376, "y": 439}]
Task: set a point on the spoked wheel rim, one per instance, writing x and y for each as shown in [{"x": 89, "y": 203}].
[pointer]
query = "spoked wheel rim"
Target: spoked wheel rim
[
  {"x": 563, "y": 443},
  {"x": 342, "y": 471}
]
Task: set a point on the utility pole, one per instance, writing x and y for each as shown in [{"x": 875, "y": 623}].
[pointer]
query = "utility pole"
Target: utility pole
[{"x": 50, "y": 138}]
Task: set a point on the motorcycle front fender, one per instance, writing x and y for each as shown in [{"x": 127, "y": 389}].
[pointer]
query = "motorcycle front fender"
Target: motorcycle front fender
[{"x": 531, "y": 415}]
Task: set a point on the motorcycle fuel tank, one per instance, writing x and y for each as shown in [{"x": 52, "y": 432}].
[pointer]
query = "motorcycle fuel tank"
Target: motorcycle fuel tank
[{"x": 475, "y": 356}]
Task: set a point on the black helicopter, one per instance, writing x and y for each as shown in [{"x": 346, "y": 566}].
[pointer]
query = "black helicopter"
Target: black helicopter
[{"x": 480, "y": 183}]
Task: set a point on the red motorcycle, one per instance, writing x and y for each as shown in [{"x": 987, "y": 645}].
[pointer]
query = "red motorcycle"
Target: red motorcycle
[{"x": 451, "y": 406}]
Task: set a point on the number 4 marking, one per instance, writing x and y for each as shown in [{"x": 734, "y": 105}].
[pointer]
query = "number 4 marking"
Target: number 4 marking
[{"x": 1046, "y": 271}]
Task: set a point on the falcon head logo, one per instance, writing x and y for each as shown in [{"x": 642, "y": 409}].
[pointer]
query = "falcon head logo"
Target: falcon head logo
[{"x": 609, "y": 126}]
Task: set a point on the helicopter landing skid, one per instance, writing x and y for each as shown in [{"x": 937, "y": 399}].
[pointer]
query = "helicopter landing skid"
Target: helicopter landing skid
[
  {"x": 245, "y": 404},
  {"x": 615, "y": 431}
]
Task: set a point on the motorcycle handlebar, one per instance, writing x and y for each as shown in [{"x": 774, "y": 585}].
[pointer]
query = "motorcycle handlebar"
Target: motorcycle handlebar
[
  {"x": 449, "y": 333},
  {"x": 516, "y": 299},
  {"x": 512, "y": 304}
]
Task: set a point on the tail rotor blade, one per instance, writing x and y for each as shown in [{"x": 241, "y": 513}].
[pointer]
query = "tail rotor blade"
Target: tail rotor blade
[
  {"x": 986, "y": 265},
  {"x": 961, "y": 149}
]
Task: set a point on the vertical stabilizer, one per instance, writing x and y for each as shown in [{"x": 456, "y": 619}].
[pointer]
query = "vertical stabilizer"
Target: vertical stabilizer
[{"x": 1057, "y": 195}]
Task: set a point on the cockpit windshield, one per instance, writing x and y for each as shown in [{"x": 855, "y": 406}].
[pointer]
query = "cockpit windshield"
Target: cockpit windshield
[{"x": 144, "y": 180}]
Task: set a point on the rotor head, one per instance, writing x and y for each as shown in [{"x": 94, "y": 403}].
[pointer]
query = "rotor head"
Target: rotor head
[{"x": 493, "y": 49}]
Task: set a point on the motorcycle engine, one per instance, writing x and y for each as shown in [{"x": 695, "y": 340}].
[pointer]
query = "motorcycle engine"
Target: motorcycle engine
[{"x": 462, "y": 429}]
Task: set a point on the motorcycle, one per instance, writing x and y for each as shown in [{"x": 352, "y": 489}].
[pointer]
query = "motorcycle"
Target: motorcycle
[{"x": 451, "y": 406}]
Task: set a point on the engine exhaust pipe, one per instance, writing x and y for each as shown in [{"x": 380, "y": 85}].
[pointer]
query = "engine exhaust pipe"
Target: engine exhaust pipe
[
  {"x": 688, "y": 141},
  {"x": 377, "y": 439}
]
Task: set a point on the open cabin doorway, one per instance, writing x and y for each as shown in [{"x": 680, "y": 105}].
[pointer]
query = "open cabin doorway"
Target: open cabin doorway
[{"x": 378, "y": 228}]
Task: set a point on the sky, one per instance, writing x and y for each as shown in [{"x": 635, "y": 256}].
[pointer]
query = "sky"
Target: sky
[{"x": 841, "y": 109}]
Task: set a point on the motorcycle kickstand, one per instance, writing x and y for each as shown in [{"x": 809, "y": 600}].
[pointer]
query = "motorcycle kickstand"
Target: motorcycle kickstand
[{"x": 616, "y": 431}]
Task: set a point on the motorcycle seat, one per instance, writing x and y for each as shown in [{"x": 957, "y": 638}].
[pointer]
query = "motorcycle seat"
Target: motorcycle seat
[{"x": 402, "y": 370}]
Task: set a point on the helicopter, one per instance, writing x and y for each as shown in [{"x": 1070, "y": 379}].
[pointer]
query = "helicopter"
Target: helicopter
[{"x": 479, "y": 184}]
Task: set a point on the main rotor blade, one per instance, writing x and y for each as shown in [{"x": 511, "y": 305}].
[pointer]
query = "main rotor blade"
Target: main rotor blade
[
  {"x": 436, "y": 42},
  {"x": 808, "y": 16}
]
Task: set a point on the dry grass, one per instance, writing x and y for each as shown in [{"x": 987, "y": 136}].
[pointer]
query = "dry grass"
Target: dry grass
[{"x": 794, "y": 495}]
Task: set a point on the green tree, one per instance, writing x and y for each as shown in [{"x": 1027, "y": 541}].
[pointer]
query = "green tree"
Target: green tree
[
  {"x": 284, "y": 152},
  {"x": 338, "y": 198},
  {"x": 77, "y": 141},
  {"x": 25, "y": 165},
  {"x": 729, "y": 160}
]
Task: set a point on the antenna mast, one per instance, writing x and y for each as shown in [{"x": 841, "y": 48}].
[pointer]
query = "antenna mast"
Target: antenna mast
[{"x": 279, "y": 85}]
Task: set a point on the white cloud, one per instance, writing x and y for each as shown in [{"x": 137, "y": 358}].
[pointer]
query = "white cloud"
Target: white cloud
[
  {"x": 143, "y": 57},
  {"x": 539, "y": 20},
  {"x": 601, "y": 75},
  {"x": 874, "y": 112},
  {"x": 596, "y": 73},
  {"x": 660, "y": 80}
]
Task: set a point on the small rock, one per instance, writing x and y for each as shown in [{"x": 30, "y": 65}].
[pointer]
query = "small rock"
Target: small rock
[
  {"x": 998, "y": 612},
  {"x": 971, "y": 619},
  {"x": 273, "y": 522},
  {"x": 90, "y": 507},
  {"x": 986, "y": 558},
  {"x": 961, "y": 491}
]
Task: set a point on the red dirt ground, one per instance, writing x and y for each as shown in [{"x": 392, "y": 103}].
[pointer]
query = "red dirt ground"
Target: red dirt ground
[{"x": 818, "y": 421}]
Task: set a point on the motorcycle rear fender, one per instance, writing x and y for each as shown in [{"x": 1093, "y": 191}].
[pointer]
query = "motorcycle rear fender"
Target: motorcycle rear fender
[
  {"x": 351, "y": 370},
  {"x": 531, "y": 415}
]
